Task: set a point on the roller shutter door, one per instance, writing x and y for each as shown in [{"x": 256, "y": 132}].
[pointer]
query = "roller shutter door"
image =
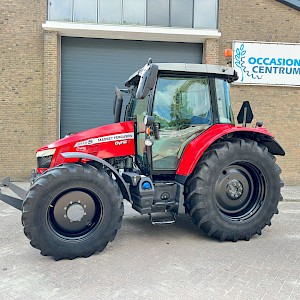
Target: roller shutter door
[{"x": 91, "y": 68}]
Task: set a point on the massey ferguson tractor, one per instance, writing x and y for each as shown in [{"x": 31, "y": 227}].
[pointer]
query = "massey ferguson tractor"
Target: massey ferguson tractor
[{"x": 176, "y": 150}]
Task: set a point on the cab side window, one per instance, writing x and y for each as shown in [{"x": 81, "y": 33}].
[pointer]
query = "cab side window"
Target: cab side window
[{"x": 223, "y": 100}]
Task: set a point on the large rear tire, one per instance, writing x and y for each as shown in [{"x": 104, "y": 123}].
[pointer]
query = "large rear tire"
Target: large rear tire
[
  {"x": 234, "y": 190},
  {"x": 72, "y": 211}
]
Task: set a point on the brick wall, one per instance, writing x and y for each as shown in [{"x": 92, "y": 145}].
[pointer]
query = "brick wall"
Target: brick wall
[
  {"x": 211, "y": 51},
  {"x": 21, "y": 84},
  {"x": 278, "y": 107},
  {"x": 51, "y": 95},
  {"x": 30, "y": 74}
]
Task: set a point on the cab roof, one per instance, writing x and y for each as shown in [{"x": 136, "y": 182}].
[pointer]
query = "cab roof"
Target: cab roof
[
  {"x": 203, "y": 69},
  {"x": 196, "y": 68}
]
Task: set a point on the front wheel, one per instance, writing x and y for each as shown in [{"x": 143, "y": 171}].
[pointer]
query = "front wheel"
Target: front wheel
[
  {"x": 72, "y": 211},
  {"x": 234, "y": 190}
]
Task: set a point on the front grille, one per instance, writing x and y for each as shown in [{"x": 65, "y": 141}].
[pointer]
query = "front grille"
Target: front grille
[{"x": 44, "y": 161}]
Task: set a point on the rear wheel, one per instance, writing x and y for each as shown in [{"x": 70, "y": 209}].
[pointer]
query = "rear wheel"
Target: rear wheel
[
  {"x": 234, "y": 190},
  {"x": 72, "y": 211}
]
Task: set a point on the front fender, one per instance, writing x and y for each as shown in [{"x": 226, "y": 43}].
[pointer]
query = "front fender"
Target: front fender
[
  {"x": 122, "y": 184},
  {"x": 195, "y": 149}
]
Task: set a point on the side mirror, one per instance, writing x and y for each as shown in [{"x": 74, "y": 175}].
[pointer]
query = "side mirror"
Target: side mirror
[
  {"x": 245, "y": 115},
  {"x": 118, "y": 103},
  {"x": 148, "y": 120},
  {"x": 148, "y": 77}
]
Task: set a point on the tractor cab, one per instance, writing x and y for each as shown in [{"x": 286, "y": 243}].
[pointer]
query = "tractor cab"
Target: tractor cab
[{"x": 171, "y": 105}]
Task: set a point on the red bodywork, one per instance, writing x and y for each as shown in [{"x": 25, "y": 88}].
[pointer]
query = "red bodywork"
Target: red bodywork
[
  {"x": 117, "y": 140},
  {"x": 105, "y": 142},
  {"x": 198, "y": 146}
]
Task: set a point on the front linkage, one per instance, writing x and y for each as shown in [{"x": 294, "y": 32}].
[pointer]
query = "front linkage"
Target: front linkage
[{"x": 13, "y": 201}]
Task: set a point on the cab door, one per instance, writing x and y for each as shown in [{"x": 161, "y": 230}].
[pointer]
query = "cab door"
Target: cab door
[{"x": 182, "y": 109}]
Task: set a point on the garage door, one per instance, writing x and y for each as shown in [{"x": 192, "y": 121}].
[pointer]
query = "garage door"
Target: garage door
[{"x": 92, "y": 68}]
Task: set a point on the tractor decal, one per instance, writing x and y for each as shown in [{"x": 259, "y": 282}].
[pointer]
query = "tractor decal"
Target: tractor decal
[{"x": 108, "y": 138}]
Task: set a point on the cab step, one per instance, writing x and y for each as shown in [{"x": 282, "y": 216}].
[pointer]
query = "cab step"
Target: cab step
[{"x": 162, "y": 218}]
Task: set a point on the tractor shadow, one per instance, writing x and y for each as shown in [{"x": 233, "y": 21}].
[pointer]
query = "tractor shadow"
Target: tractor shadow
[{"x": 140, "y": 225}]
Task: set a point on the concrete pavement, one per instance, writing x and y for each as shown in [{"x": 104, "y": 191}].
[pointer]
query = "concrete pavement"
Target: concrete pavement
[
  {"x": 159, "y": 262},
  {"x": 291, "y": 193}
]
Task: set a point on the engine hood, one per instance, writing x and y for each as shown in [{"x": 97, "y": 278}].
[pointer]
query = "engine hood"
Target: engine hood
[{"x": 105, "y": 142}]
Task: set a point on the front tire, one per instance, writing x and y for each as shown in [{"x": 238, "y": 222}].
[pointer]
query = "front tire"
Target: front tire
[
  {"x": 72, "y": 211},
  {"x": 234, "y": 190}
]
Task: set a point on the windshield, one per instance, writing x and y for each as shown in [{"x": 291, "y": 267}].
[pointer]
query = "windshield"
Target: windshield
[{"x": 181, "y": 102}]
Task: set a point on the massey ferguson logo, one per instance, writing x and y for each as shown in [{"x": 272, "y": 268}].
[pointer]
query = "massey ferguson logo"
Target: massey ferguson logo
[{"x": 119, "y": 139}]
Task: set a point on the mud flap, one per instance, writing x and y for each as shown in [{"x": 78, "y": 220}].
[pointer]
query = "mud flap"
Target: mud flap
[{"x": 13, "y": 201}]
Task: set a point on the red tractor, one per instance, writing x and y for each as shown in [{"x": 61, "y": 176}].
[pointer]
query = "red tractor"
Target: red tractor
[{"x": 177, "y": 151}]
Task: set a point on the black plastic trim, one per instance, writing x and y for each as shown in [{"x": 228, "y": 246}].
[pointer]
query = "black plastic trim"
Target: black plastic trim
[
  {"x": 181, "y": 178},
  {"x": 274, "y": 147},
  {"x": 266, "y": 140}
]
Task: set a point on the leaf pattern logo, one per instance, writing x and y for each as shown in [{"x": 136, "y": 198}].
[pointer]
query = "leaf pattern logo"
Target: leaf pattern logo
[
  {"x": 239, "y": 55},
  {"x": 240, "y": 63}
]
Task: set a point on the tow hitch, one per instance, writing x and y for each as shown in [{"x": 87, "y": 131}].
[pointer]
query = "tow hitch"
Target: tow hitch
[{"x": 13, "y": 201}]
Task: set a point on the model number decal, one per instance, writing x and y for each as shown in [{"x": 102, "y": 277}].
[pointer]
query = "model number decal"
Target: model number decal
[
  {"x": 121, "y": 143},
  {"x": 109, "y": 138}
]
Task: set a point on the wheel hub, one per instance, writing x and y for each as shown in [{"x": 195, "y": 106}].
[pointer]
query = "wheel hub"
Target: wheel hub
[
  {"x": 75, "y": 212},
  {"x": 234, "y": 189}
]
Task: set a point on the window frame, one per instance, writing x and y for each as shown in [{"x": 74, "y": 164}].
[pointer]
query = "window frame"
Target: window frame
[{"x": 145, "y": 17}]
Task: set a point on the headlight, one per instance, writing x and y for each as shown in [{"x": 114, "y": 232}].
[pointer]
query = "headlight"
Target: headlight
[
  {"x": 47, "y": 152},
  {"x": 44, "y": 158}
]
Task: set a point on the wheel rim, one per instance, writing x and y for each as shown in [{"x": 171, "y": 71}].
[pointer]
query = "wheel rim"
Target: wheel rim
[
  {"x": 240, "y": 190},
  {"x": 74, "y": 213}
]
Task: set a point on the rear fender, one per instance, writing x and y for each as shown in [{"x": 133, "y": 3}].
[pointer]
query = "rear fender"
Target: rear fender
[
  {"x": 121, "y": 183},
  {"x": 200, "y": 144}
]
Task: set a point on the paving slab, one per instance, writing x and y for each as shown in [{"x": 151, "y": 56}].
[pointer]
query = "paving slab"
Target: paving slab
[
  {"x": 157, "y": 262},
  {"x": 291, "y": 193}
]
